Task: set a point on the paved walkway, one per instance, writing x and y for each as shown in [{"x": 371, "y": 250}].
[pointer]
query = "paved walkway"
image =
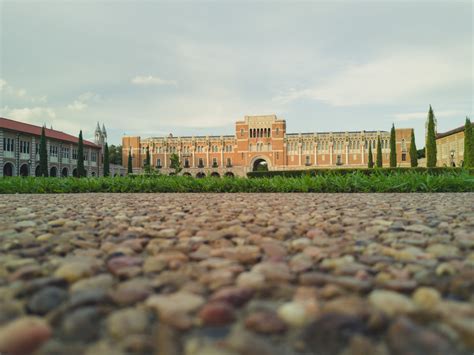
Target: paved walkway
[{"x": 229, "y": 274}]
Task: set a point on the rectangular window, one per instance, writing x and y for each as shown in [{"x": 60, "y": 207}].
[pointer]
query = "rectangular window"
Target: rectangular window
[
  {"x": 404, "y": 156},
  {"x": 9, "y": 144},
  {"x": 229, "y": 162},
  {"x": 37, "y": 148},
  {"x": 93, "y": 156},
  {"x": 24, "y": 147},
  {"x": 241, "y": 132},
  {"x": 74, "y": 153},
  {"x": 308, "y": 160},
  {"x": 158, "y": 163},
  {"x": 214, "y": 162}
]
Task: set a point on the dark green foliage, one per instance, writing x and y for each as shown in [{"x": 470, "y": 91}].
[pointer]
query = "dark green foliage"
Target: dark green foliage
[
  {"x": 413, "y": 151},
  {"x": 393, "y": 148},
  {"x": 411, "y": 181},
  {"x": 363, "y": 171},
  {"x": 420, "y": 153},
  {"x": 147, "y": 165},
  {"x": 115, "y": 154},
  {"x": 430, "y": 145},
  {"x": 468, "y": 145},
  {"x": 175, "y": 163},
  {"x": 370, "y": 163},
  {"x": 129, "y": 163},
  {"x": 43, "y": 155},
  {"x": 379, "y": 154},
  {"x": 106, "y": 160},
  {"x": 81, "y": 171}
]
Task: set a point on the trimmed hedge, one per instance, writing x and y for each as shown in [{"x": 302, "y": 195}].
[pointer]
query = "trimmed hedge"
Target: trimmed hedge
[
  {"x": 363, "y": 171},
  {"x": 355, "y": 182}
]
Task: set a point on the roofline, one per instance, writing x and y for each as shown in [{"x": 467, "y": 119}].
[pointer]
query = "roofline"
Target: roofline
[{"x": 453, "y": 131}]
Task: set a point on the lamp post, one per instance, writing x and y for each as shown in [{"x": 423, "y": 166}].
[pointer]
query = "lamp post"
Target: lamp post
[{"x": 452, "y": 158}]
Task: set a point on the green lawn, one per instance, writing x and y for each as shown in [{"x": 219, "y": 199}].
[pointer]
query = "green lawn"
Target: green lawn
[{"x": 354, "y": 182}]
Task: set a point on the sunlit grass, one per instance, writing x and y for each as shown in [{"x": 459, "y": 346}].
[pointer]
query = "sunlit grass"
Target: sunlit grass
[{"x": 355, "y": 182}]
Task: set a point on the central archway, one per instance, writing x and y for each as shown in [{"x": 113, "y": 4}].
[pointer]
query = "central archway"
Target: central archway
[{"x": 260, "y": 163}]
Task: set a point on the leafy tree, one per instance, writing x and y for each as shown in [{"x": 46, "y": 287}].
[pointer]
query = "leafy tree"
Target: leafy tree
[
  {"x": 129, "y": 163},
  {"x": 468, "y": 145},
  {"x": 175, "y": 163},
  {"x": 379, "y": 154},
  {"x": 106, "y": 160},
  {"x": 371, "y": 157},
  {"x": 81, "y": 171},
  {"x": 420, "y": 153},
  {"x": 115, "y": 154},
  {"x": 43, "y": 154},
  {"x": 413, "y": 151},
  {"x": 430, "y": 145},
  {"x": 393, "y": 148}
]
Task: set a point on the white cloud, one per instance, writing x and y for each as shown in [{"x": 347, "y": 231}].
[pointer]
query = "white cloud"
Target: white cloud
[
  {"x": 31, "y": 115},
  {"x": 389, "y": 79},
  {"x": 20, "y": 93},
  {"x": 152, "y": 80},
  {"x": 410, "y": 116},
  {"x": 82, "y": 102}
]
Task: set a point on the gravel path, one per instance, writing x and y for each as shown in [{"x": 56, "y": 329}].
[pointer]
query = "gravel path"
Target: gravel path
[{"x": 229, "y": 274}]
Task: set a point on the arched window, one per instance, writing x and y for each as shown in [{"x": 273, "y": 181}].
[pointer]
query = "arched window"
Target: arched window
[
  {"x": 404, "y": 147},
  {"x": 158, "y": 163}
]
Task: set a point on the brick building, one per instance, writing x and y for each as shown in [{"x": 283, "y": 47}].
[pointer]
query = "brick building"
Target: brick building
[
  {"x": 263, "y": 141},
  {"x": 450, "y": 147},
  {"x": 19, "y": 151}
]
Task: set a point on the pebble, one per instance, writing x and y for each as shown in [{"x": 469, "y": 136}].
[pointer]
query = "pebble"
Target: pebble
[
  {"x": 391, "y": 303},
  {"x": 178, "y": 302},
  {"x": 126, "y": 322},
  {"x": 46, "y": 300},
  {"x": 24, "y": 335},
  {"x": 74, "y": 271},
  {"x": 293, "y": 313},
  {"x": 265, "y": 323},
  {"x": 217, "y": 314}
]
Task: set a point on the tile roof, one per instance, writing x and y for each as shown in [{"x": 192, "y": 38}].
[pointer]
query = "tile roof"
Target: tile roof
[
  {"x": 453, "y": 131},
  {"x": 36, "y": 130}
]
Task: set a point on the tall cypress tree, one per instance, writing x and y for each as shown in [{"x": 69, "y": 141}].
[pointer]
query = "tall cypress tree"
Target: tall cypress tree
[
  {"x": 370, "y": 163},
  {"x": 129, "y": 163},
  {"x": 379, "y": 154},
  {"x": 393, "y": 148},
  {"x": 413, "y": 152},
  {"x": 43, "y": 154},
  {"x": 468, "y": 144},
  {"x": 430, "y": 145},
  {"x": 81, "y": 171},
  {"x": 147, "y": 161},
  {"x": 106, "y": 160}
]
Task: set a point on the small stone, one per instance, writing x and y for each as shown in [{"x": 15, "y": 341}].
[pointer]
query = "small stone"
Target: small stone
[
  {"x": 217, "y": 314},
  {"x": 236, "y": 296},
  {"x": 57, "y": 222},
  {"x": 46, "y": 300},
  {"x": 427, "y": 298},
  {"x": 445, "y": 269},
  {"x": 251, "y": 279},
  {"x": 131, "y": 292},
  {"x": 166, "y": 233},
  {"x": 24, "y": 335},
  {"x": 265, "y": 323},
  {"x": 175, "y": 303},
  {"x": 443, "y": 250},
  {"x": 293, "y": 313},
  {"x": 82, "y": 324},
  {"x": 119, "y": 265},
  {"x": 153, "y": 264},
  {"x": 127, "y": 321},
  {"x": 405, "y": 337},
  {"x": 25, "y": 224},
  {"x": 102, "y": 281},
  {"x": 74, "y": 271},
  {"x": 391, "y": 303}
]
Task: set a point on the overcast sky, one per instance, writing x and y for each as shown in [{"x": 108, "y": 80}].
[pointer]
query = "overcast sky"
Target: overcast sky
[{"x": 153, "y": 68}]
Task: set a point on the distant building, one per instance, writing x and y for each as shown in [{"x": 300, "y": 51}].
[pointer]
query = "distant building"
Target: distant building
[
  {"x": 100, "y": 138},
  {"x": 19, "y": 151},
  {"x": 450, "y": 147},
  {"x": 262, "y": 142}
]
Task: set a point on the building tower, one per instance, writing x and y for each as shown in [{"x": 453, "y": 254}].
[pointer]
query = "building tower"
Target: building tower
[{"x": 98, "y": 135}]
